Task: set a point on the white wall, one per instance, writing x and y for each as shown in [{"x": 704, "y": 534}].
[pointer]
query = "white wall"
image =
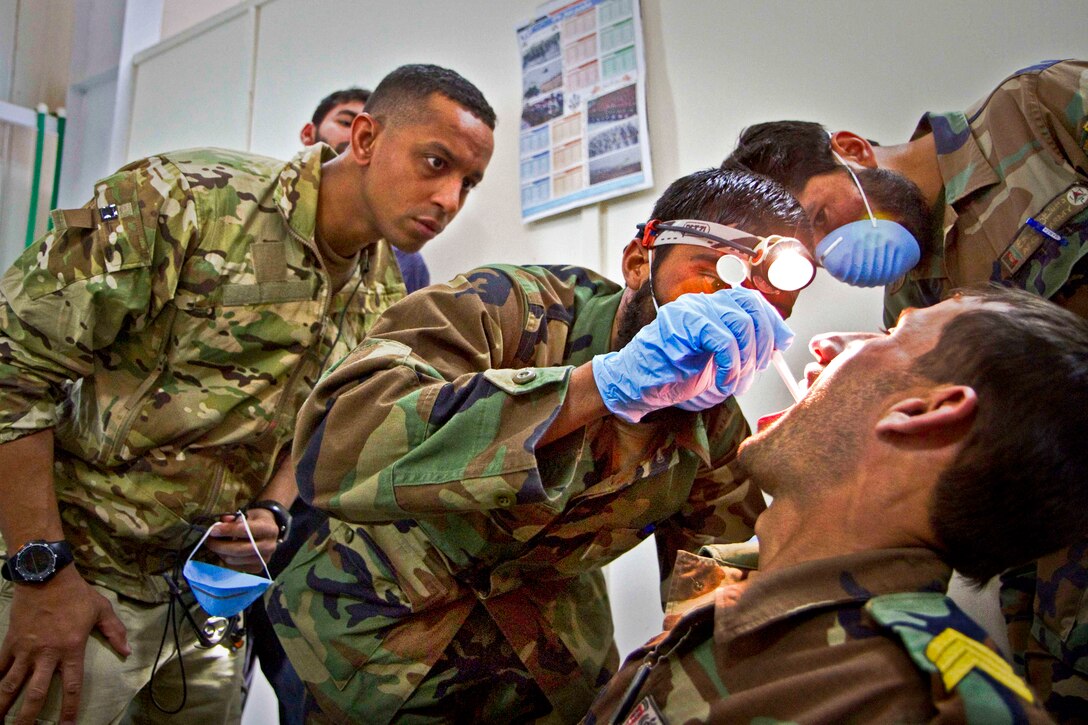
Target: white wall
[
  {"x": 35, "y": 37},
  {"x": 714, "y": 66},
  {"x": 179, "y": 15}
]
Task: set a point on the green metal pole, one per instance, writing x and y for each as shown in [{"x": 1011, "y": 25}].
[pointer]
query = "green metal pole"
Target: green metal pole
[
  {"x": 61, "y": 121},
  {"x": 39, "y": 148}
]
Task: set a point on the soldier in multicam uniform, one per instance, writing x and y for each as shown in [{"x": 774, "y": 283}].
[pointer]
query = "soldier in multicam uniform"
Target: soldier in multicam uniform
[
  {"x": 954, "y": 441},
  {"x": 331, "y": 124},
  {"x": 478, "y": 484},
  {"x": 154, "y": 350},
  {"x": 997, "y": 193}
]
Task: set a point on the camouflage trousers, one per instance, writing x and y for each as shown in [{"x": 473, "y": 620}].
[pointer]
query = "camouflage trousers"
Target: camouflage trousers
[{"x": 478, "y": 679}]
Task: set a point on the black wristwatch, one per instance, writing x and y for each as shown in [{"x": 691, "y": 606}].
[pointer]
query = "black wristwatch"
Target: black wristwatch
[
  {"x": 37, "y": 561},
  {"x": 282, "y": 516}
]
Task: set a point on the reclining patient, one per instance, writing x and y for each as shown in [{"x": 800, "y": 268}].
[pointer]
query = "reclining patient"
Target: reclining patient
[{"x": 955, "y": 441}]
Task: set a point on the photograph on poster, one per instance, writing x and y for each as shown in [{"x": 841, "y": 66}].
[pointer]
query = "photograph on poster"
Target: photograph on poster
[
  {"x": 612, "y": 166},
  {"x": 614, "y": 138},
  {"x": 540, "y": 111},
  {"x": 614, "y": 106},
  {"x": 541, "y": 51},
  {"x": 542, "y": 79}
]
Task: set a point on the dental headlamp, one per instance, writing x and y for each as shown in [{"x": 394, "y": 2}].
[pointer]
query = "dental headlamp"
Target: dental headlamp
[{"x": 780, "y": 263}]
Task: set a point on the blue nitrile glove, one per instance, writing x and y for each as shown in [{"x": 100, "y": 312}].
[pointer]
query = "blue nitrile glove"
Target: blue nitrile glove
[
  {"x": 667, "y": 361},
  {"x": 771, "y": 333},
  {"x": 869, "y": 254}
]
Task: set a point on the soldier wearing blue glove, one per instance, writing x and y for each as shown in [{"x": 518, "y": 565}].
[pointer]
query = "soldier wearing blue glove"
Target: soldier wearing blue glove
[{"x": 498, "y": 439}]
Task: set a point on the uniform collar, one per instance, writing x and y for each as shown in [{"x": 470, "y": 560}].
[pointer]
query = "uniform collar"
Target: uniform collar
[
  {"x": 812, "y": 585},
  {"x": 296, "y": 190},
  {"x": 963, "y": 167}
]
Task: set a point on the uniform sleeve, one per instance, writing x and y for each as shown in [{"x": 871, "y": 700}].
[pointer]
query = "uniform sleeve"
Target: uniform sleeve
[
  {"x": 723, "y": 504},
  {"x": 106, "y": 269},
  {"x": 1061, "y": 95},
  {"x": 429, "y": 414}
]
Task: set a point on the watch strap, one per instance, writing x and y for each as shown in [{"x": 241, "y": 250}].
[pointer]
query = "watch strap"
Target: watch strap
[
  {"x": 62, "y": 551},
  {"x": 279, "y": 512}
]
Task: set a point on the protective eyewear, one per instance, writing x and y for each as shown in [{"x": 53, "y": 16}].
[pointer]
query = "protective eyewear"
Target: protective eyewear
[{"x": 773, "y": 264}]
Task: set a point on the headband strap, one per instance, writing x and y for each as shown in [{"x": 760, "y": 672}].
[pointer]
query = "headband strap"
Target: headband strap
[{"x": 698, "y": 233}]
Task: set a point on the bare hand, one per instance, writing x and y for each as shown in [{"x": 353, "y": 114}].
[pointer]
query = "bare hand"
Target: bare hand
[
  {"x": 47, "y": 632},
  {"x": 827, "y": 347},
  {"x": 229, "y": 541}
]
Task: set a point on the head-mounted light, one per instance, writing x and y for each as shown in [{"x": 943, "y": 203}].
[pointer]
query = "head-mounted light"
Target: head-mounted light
[{"x": 780, "y": 263}]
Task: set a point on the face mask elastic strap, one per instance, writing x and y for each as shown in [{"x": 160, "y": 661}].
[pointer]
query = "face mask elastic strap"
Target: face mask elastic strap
[
  {"x": 249, "y": 533},
  {"x": 650, "y": 265},
  {"x": 646, "y": 241},
  {"x": 857, "y": 182}
]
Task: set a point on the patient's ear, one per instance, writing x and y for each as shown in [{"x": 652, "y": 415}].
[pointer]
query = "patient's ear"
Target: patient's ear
[{"x": 943, "y": 408}]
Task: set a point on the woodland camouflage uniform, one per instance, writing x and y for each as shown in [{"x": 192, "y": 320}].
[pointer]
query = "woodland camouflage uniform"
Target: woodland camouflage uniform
[
  {"x": 456, "y": 536},
  {"x": 867, "y": 637}
]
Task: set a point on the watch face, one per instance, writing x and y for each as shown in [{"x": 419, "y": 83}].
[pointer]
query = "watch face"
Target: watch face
[{"x": 36, "y": 562}]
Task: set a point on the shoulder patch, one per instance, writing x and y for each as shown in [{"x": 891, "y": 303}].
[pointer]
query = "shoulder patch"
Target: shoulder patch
[
  {"x": 941, "y": 639},
  {"x": 955, "y": 655}
]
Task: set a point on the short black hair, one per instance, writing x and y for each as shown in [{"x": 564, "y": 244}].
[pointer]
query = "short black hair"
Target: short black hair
[
  {"x": 1016, "y": 489},
  {"x": 335, "y": 98},
  {"x": 790, "y": 152},
  {"x": 403, "y": 93},
  {"x": 736, "y": 197}
]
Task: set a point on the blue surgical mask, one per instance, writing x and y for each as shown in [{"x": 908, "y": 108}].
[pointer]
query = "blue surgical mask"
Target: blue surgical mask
[
  {"x": 220, "y": 591},
  {"x": 868, "y": 253}
]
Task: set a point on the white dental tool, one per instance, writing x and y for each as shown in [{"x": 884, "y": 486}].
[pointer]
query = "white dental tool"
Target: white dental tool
[{"x": 783, "y": 370}]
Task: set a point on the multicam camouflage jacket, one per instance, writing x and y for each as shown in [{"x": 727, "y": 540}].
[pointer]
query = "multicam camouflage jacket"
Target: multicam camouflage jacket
[
  {"x": 867, "y": 637},
  {"x": 424, "y": 443},
  {"x": 168, "y": 332},
  {"x": 1015, "y": 170}
]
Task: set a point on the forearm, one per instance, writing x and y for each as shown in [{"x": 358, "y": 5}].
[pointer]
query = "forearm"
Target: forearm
[
  {"x": 282, "y": 487},
  {"x": 28, "y": 502},
  {"x": 49, "y": 622},
  {"x": 582, "y": 405}
]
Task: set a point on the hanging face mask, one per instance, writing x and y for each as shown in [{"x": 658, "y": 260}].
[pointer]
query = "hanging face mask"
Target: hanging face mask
[
  {"x": 224, "y": 592},
  {"x": 868, "y": 253}
]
